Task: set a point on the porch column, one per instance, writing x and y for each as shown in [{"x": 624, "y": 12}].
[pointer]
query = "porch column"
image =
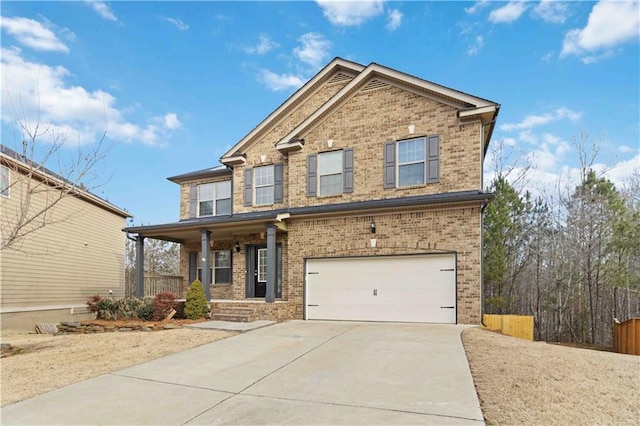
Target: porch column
[
  {"x": 270, "y": 297},
  {"x": 139, "y": 266},
  {"x": 205, "y": 236}
]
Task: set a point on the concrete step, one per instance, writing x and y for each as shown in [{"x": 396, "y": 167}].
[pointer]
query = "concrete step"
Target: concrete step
[
  {"x": 234, "y": 310},
  {"x": 232, "y": 317}
]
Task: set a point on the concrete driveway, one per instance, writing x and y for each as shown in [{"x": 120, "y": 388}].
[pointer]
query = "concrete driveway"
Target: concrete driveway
[{"x": 299, "y": 372}]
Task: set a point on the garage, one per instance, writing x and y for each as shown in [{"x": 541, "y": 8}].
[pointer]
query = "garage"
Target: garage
[{"x": 411, "y": 288}]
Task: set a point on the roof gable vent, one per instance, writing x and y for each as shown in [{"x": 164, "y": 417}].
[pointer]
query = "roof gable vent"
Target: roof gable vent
[
  {"x": 339, "y": 77},
  {"x": 375, "y": 84}
]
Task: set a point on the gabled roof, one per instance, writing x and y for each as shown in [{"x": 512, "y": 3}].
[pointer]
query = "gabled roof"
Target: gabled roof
[
  {"x": 11, "y": 158},
  {"x": 469, "y": 106},
  {"x": 335, "y": 66}
]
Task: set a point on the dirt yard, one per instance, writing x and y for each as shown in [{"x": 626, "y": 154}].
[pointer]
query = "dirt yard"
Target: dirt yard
[
  {"x": 521, "y": 382},
  {"x": 518, "y": 382},
  {"x": 40, "y": 363}
]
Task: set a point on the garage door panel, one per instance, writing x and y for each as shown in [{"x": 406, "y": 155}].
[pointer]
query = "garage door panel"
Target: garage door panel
[{"x": 390, "y": 288}]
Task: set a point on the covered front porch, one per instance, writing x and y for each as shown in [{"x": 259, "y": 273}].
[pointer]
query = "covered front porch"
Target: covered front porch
[{"x": 238, "y": 259}]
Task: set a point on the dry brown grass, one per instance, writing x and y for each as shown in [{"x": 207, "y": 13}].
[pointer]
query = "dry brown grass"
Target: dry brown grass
[
  {"x": 44, "y": 362},
  {"x": 530, "y": 383}
]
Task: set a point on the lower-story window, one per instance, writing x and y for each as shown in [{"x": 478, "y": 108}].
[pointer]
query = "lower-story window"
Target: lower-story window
[{"x": 220, "y": 266}]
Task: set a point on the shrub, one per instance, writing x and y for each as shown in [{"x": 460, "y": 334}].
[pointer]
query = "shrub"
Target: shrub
[
  {"x": 163, "y": 303},
  {"x": 92, "y": 303},
  {"x": 197, "y": 305},
  {"x": 145, "y": 309},
  {"x": 107, "y": 309}
]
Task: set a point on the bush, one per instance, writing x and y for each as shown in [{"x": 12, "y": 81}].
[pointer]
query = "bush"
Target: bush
[
  {"x": 163, "y": 303},
  {"x": 145, "y": 310},
  {"x": 92, "y": 303},
  {"x": 197, "y": 305}
]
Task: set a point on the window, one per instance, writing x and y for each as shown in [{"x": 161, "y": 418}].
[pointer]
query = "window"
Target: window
[
  {"x": 330, "y": 173},
  {"x": 412, "y": 162},
  {"x": 263, "y": 181},
  {"x": 220, "y": 266},
  {"x": 214, "y": 199},
  {"x": 4, "y": 181},
  {"x": 262, "y": 264}
]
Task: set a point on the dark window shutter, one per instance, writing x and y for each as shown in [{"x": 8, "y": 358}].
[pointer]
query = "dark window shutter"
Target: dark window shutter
[
  {"x": 347, "y": 172},
  {"x": 193, "y": 266},
  {"x": 389, "y": 165},
  {"x": 277, "y": 183},
  {"x": 193, "y": 200},
  {"x": 433, "y": 159},
  {"x": 248, "y": 187},
  {"x": 312, "y": 175}
]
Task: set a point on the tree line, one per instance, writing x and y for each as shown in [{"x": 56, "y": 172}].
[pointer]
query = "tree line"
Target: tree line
[{"x": 570, "y": 259}]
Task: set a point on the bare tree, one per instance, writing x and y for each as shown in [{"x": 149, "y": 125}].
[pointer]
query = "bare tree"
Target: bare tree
[{"x": 32, "y": 189}]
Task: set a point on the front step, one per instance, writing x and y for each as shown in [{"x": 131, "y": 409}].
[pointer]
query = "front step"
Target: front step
[{"x": 234, "y": 314}]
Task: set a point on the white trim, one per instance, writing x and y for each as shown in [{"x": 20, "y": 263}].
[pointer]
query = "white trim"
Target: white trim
[
  {"x": 373, "y": 70},
  {"x": 11, "y": 310},
  {"x": 477, "y": 111},
  {"x": 327, "y": 70}
]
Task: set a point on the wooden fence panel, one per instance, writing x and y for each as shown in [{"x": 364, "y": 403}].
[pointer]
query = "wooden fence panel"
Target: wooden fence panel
[
  {"x": 626, "y": 337},
  {"x": 520, "y": 326}
]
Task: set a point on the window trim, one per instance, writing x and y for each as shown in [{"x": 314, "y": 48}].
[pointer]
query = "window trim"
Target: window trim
[
  {"x": 215, "y": 198},
  {"x": 4, "y": 170},
  {"x": 341, "y": 173},
  {"x": 409, "y": 163},
  {"x": 213, "y": 267},
  {"x": 271, "y": 185}
]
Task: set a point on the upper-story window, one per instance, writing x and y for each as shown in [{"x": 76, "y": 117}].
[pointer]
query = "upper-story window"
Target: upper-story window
[
  {"x": 4, "y": 181},
  {"x": 214, "y": 199},
  {"x": 263, "y": 185},
  {"x": 330, "y": 173},
  {"x": 264, "y": 181},
  {"x": 412, "y": 162}
]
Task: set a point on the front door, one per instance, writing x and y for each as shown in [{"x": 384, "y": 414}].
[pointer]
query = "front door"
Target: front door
[{"x": 257, "y": 271}]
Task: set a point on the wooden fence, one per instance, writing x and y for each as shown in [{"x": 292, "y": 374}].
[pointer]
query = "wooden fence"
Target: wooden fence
[
  {"x": 626, "y": 337},
  {"x": 154, "y": 284},
  {"x": 520, "y": 326}
]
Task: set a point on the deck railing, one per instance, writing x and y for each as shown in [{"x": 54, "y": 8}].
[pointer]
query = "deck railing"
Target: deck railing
[{"x": 154, "y": 284}]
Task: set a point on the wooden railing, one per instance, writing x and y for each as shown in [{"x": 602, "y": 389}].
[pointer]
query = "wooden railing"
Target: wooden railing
[
  {"x": 154, "y": 284},
  {"x": 520, "y": 326},
  {"x": 626, "y": 337}
]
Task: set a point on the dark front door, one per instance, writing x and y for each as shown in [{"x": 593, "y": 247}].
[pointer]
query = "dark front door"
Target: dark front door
[{"x": 257, "y": 271}]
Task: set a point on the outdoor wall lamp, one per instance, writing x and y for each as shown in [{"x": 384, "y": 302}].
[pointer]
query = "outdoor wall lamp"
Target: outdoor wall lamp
[
  {"x": 237, "y": 247},
  {"x": 372, "y": 226}
]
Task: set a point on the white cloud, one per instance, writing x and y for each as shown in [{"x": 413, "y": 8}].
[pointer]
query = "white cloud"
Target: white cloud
[
  {"x": 552, "y": 11},
  {"x": 610, "y": 25},
  {"x": 37, "y": 93},
  {"x": 394, "y": 20},
  {"x": 314, "y": 50},
  {"x": 178, "y": 23},
  {"x": 508, "y": 13},
  {"x": 278, "y": 82},
  {"x": 535, "y": 120},
  {"x": 171, "y": 121},
  {"x": 476, "y": 6},
  {"x": 475, "y": 47},
  {"x": 103, "y": 10},
  {"x": 32, "y": 34},
  {"x": 350, "y": 13},
  {"x": 264, "y": 45}
]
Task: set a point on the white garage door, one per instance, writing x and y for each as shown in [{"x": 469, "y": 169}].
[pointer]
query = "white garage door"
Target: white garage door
[{"x": 416, "y": 288}]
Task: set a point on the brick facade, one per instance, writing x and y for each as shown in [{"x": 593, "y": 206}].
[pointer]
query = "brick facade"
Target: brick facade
[{"x": 364, "y": 120}]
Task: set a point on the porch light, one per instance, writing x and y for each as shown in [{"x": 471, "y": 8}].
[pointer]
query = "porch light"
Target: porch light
[
  {"x": 372, "y": 226},
  {"x": 237, "y": 247}
]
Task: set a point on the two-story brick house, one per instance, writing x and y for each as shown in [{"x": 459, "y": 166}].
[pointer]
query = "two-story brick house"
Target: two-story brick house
[{"x": 359, "y": 198}]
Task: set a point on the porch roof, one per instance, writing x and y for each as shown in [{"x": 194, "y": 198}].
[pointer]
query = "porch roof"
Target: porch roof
[{"x": 224, "y": 227}]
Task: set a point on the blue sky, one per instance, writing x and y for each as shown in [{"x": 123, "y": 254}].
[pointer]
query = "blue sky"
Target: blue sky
[{"x": 177, "y": 84}]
